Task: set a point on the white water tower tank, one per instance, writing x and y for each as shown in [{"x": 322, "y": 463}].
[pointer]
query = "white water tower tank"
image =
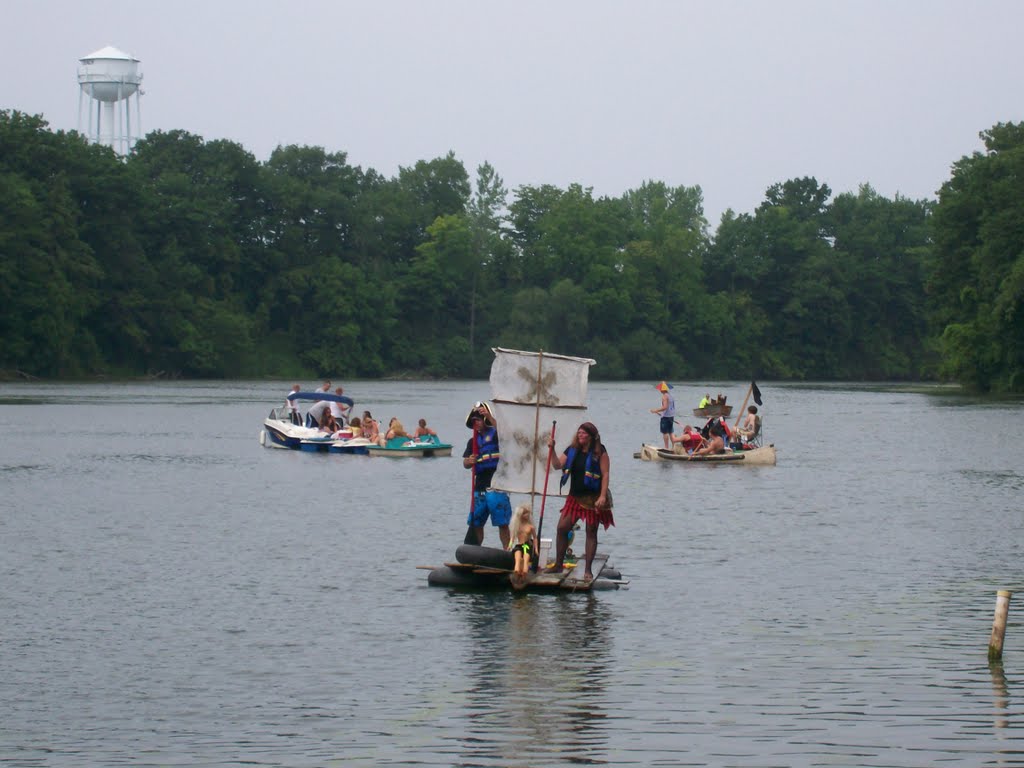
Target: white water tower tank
[{"x": 109, "y": 78}]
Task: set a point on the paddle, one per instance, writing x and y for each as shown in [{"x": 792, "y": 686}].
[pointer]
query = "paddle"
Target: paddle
[
  {"x": 471, "y": 537},
  {"x": 694, "y": 451}
]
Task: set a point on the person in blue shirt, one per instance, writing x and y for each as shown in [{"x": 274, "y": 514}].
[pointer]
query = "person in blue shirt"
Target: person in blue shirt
[
  {"x": 668, "y": 413},
  {"x": 482, "y": 455}
]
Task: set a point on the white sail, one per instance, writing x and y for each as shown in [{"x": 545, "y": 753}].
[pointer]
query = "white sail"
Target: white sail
[
  {"x": 529, "y": 378},
  {"x": 529, "y": 391}
]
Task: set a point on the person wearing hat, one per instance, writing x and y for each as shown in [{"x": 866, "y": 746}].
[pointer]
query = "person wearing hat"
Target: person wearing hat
[
  {"x": 668, "y": 413},
  {"x": 482, "y": 455}
]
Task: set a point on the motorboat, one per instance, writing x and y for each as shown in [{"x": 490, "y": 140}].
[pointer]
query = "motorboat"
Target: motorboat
[{"x": 280, "y": 432}]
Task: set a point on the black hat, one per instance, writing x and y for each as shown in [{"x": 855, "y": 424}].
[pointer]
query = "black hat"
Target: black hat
[{"x": 480, "y": 410}]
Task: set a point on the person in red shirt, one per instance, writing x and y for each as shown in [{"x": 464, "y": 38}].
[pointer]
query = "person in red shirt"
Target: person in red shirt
[{"x": 690, "y": 439}]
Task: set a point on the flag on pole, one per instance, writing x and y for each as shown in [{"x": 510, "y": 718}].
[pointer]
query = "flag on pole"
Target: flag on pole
[{"x": 757, "y": 393}]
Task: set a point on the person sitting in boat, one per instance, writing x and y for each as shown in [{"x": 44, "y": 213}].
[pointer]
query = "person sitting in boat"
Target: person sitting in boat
[
  {"x": 751, "y": 425},
  {"x": 395, "y": 429},
  {"x": 715, "y": 442},
  {"x": 585, "y": 466},
  {"x": 329, "y": 424},
  {"x": 705, "y": 401},
  {"x": 293, "y": 407},
  {"x": 423, "y": 430},
  {"x": 370, "y": 429},
  {"x": 355, "y": 425},
  {"x": 690, "y": 440},
  {"x": 482, "y": 455},
  {"x": 524, "y": 539}
]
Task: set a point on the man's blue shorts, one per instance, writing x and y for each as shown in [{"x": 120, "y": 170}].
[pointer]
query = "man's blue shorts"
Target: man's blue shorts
[
  {"x": 493, "y": 504},
  {"x": 666, "y": 425}
]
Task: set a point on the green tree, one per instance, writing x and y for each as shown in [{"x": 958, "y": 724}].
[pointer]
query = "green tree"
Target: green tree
[
  {"x": 976, "y": 280},
  {"x": 882, "y": 245}
]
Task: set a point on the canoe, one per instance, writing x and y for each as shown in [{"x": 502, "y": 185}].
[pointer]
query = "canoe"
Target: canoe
[{"x": 762, "y": 456}]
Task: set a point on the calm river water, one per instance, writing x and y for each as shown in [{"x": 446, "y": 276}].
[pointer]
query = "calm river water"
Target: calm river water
[{"x": 173, "y": 594}]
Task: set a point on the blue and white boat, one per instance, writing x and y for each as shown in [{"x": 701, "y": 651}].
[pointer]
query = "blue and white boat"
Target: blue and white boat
[{"x": 279, "y": 431}]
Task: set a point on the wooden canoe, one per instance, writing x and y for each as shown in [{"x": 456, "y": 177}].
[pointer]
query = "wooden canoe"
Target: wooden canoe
[
  {"x": 713, "y": 410},
  {"x": 763, "y": 456}
]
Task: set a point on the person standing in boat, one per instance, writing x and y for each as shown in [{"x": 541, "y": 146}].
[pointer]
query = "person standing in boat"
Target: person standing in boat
[
  {"x": 668, "y": 413},
  {"x": 482, "y": 455},
  {"x": 316, "y": 414},
  {"x": 339, "y": 410},
  {"x": 585, "y": 466},
  {"x": 293, "y": 406}
]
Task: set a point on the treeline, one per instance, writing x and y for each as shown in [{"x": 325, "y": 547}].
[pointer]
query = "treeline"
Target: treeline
[{"x": 190, "y": 258}]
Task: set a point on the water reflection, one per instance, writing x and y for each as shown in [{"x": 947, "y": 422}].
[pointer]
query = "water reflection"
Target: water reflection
[
  {"x": 262, "y": 605},
  {"x": 539, "y": 665},
  {"x": 1000, "y": 695}
]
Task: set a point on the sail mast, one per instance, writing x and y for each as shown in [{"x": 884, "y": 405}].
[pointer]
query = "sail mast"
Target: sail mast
[{"x": 536, "y": 426}]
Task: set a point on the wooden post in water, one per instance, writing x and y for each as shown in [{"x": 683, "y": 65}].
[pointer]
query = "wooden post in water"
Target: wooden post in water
[{"x": 995, "y": 644}]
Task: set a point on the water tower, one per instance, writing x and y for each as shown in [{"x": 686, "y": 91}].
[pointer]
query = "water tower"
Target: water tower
[{"x": 109, "y": 78}]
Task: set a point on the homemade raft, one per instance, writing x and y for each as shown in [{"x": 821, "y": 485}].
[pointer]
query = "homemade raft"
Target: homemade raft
[
  {"x": 760, "y": 456},
  {"x": 530, "y": 392},
  {"x": 491, "y": 568}
]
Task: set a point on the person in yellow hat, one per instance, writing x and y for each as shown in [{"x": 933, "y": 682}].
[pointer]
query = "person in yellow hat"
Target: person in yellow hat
[{"x": 668, "y": 413}]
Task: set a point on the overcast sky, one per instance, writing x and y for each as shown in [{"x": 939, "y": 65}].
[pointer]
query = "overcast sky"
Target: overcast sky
[{"x": 730, "y": 96}]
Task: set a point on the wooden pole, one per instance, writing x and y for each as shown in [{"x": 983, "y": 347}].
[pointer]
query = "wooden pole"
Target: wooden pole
[
  {"x": 995, "y": 644},
  {"x": 536, "y": 431},
  {"x": 743, "y": 407},
  {"x": 471, "y": 537},
  {"x": 547, "y": 473}
]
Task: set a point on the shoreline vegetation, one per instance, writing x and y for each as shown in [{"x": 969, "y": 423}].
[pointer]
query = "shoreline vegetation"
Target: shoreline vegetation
[{"x": 189, "y": 259}]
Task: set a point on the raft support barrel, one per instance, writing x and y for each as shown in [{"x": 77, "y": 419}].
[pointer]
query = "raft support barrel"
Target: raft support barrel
[{"x": 995, "y": 643}]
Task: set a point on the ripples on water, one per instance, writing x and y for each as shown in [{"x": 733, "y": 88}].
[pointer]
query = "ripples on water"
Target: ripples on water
[{"x": 174, "y": 594}]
